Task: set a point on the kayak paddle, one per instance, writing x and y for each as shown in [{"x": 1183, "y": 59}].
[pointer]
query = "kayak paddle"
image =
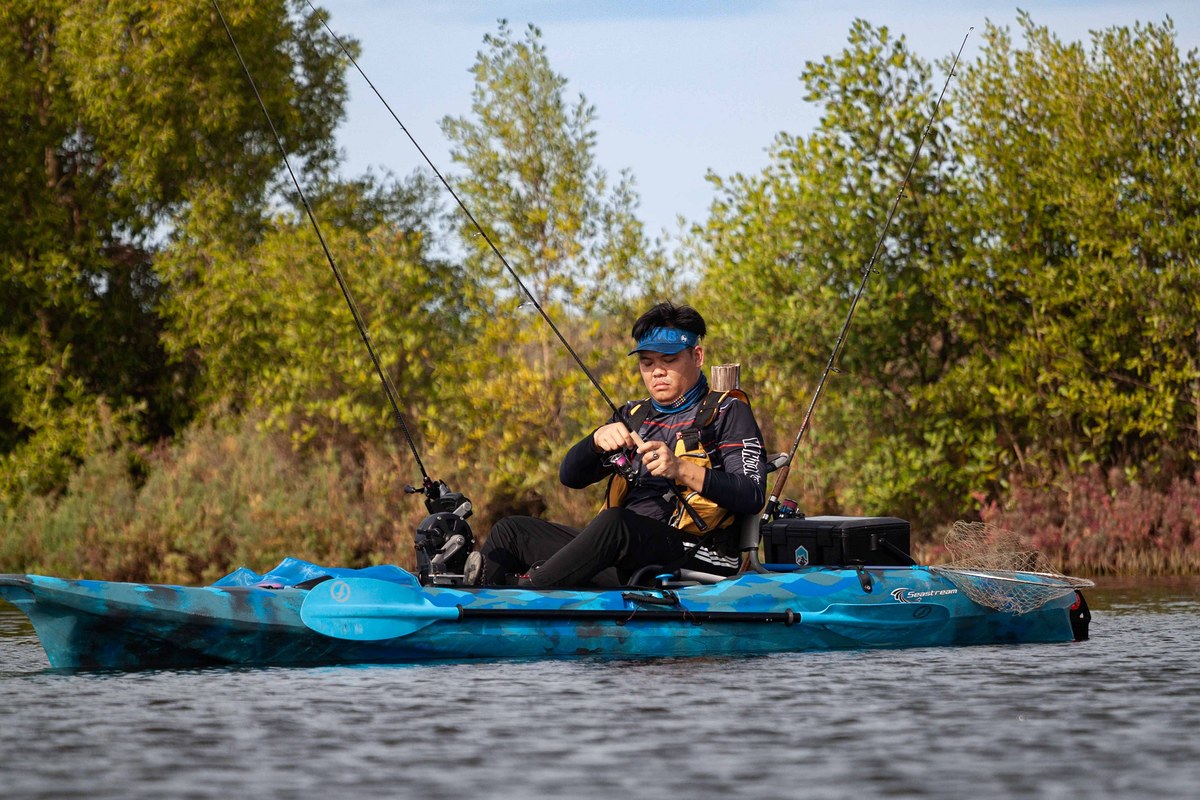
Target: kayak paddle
[{"x": 363, "y": 609}]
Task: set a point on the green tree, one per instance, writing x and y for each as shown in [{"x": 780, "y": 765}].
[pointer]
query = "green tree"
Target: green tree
[
  {"x": 530, "y": 178},
  {"x": 784, "y": 251},
  {"x": 272, "y": 333},
  {"x": 1035, "y": 308},
  {"x": 1080, "y": 292},
  {"x": 117, "y": 117}
]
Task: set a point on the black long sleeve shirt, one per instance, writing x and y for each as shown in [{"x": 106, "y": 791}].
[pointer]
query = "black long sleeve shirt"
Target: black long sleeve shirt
[{"x": 736, "y": 481}]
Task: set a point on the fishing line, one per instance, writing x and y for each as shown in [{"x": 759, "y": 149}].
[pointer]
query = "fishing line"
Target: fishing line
[
  {"x": 427, "y": 483},
  {"x": 467, "y": 211},
  {"x": 773, "y": 501}
]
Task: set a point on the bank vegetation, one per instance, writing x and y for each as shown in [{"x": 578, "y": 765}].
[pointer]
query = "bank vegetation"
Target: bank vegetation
[{"x": 182, "y": 390}]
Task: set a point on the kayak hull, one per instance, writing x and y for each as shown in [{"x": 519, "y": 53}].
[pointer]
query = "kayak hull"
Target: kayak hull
[{"x": 109, "y": 625}]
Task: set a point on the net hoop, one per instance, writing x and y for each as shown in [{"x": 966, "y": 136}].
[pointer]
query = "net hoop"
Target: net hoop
[
  {"x": 1013, "y": 576},
  {"x": 997, "y": 569}
]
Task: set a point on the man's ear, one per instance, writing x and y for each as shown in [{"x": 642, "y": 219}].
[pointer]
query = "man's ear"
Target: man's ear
[{"x": 699, "y": 352}]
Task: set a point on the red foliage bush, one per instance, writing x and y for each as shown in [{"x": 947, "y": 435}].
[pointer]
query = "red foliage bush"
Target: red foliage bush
[{"x": 1101, "y": 523}]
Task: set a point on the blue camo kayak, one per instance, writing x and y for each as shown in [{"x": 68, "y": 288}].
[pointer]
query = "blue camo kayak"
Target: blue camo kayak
[{"x": 348, "y": 617}]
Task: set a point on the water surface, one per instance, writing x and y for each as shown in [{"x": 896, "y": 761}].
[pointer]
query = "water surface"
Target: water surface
[{"x": 1112, "y": 717}]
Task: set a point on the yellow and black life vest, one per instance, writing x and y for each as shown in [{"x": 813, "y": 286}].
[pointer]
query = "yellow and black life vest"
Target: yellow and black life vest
[{"x": 687, "y": 445}]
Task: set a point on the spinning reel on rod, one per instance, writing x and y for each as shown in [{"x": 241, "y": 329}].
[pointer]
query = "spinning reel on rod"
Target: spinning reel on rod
[
  {"x": 621, "y": 463},
  {"x": 443, "y": 540}
]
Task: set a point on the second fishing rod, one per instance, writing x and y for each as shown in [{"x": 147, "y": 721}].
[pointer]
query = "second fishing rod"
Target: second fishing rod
[
  {"x": 443, "y": 539},
  {"x": 772, "y": 506},
  {"x": 620, "y": 462}
]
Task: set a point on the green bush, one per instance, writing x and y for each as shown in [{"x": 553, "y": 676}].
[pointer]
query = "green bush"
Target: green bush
[{"x": 221, "y": 498}]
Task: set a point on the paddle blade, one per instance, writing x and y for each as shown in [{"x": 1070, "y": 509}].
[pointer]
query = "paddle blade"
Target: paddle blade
[
  {"x": 366, "y": 610},
  {"x": 879, "y": 615}
]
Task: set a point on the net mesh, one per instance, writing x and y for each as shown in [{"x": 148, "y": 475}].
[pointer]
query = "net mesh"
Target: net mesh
[{"x": 997, "y": 568}]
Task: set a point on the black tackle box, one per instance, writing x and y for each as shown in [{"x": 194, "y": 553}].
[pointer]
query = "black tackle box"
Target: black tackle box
[{"x": 837, "y": 541}]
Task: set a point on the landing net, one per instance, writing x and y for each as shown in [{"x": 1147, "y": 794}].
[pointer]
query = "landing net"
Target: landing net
[{"x": 996, "y": 568}]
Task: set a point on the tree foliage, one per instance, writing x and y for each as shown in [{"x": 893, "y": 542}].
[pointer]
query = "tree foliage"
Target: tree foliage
[
  {"x": 1035, "y": 306},
  {"x": 117, "y": 117},
  {"x": 530, "y": 179},
  {"x": 1078, "y": 294},
  {"x": 272, "y": 333}
]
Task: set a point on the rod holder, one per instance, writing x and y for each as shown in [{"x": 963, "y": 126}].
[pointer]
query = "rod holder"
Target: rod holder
[{"x": 726, "y": 377}]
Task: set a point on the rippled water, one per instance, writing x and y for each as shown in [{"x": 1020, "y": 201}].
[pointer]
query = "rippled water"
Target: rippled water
[{"x": 1112, "y": 717}]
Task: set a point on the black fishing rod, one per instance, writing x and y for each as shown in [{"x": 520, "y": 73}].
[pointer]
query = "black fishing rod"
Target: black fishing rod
[
  {"x": 524, "y": 289},
  {"x": 773, "y": 501},
  {"x": 620, "y": 463},
  {"x": 433, "y": 490}
]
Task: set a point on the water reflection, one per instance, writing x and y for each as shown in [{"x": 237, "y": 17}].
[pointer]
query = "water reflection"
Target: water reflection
[{"x": 1155, "y": 595}]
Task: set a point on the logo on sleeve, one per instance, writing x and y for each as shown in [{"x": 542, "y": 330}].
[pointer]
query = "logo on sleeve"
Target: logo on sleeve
[{"x": 752, "y": 458}]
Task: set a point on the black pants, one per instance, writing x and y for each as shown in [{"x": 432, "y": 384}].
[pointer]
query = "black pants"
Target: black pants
[{"x": 613, "y": 546}]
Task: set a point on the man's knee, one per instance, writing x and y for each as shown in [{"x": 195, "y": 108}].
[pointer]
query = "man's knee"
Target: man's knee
[
  {"x": 506, "y": 530},
  {"x": 609, "y": 517},
  {"x": 608, "y": 524}
]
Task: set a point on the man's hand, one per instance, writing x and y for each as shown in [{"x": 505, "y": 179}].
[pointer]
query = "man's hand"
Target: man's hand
[
  {"x": 612, "y": 437},
  {"x": 660, "y": 461},
  {"x": 658, "y": 458}
]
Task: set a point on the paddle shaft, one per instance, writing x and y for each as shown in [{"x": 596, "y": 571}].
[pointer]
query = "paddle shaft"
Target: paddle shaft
[
  {"x": 787, "y": 617},
  {"x": 866, "y": 616},
  {"x": 463, "y": 613}
]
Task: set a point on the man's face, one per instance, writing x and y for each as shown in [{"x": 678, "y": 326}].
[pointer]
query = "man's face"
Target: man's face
[{"x": 669, "y": 376}]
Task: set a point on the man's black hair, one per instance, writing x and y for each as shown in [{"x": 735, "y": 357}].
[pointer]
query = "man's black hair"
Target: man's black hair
[{"x": 669, "y": 315}]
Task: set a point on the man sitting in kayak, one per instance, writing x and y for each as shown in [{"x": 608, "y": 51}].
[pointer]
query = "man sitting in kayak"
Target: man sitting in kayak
[{"x": 708, "y": 445}]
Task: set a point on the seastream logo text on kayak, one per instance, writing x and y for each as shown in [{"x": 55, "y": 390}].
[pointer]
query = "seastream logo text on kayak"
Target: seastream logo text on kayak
[{"x": 909, "y": 596}]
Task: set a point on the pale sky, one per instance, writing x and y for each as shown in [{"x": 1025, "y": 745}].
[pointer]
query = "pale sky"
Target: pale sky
[{"x": 680, "y": 87}]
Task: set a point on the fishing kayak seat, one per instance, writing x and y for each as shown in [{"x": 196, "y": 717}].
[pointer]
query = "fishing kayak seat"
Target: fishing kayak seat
[
  {"x": 749, "y": 526},
  {"x": 653, "y": 575},
  {"x": 692, "y": 576},
  {"x": 657, "y": 576}
]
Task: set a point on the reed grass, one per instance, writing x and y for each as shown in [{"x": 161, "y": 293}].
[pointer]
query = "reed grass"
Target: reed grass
[{"x": 220, "y": 499}]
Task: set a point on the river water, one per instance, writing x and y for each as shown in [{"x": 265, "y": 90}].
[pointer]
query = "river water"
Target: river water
[{"x": 1117, "y": 716}]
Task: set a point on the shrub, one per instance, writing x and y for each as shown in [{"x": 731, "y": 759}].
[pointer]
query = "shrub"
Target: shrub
[
  {"x": 1104, "y": 523},
  {"x": 221, "y": 498}
]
